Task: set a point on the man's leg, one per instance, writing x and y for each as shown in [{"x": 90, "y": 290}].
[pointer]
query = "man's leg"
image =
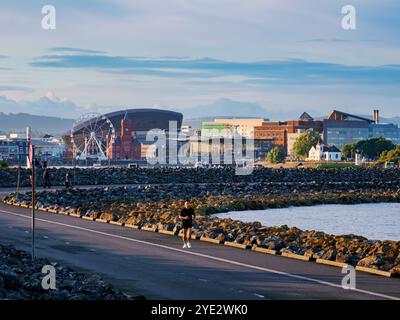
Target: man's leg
[
  {"x": 188, "y": 237},
  {"x": 184, "y": 237}
]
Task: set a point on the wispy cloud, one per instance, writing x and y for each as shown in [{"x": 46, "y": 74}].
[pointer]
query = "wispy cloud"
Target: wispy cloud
[
  {"x": 338, "y": 40},
  {"x": 42, "y": 106},
  {"x": 103, "y": 7},
  {"x": 15, "y": 88},
  {"x": 75, "y": 50},
  {"x": 272, "y": 72}
]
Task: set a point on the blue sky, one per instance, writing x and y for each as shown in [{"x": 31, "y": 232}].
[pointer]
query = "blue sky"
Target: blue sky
[{"x": 284, "y": 56}]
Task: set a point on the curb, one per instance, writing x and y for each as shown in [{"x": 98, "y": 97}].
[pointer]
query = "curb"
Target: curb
[
  {"x": 121, "y": 224},
  {"x": 167, "y": 232},
  {"x": 264, "y": 250},
  {"x": 151, "y": 229},
  {"x": 332, "y": 263},
  {"x": 296, "y": 256},
  {"x": 387, "y": 274},
  {"x": 133, "y": 226},
  {"x": 236, "y": 245},
  {"x": 211, "y": 240},
  {"x": 192, "y": 235},
  {"x": 88, "y": 218}
]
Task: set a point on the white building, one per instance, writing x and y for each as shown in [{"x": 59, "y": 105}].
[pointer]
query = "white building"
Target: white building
[
  {"x": 244, "y": 127},
  {"x": 323, "y": 152}
]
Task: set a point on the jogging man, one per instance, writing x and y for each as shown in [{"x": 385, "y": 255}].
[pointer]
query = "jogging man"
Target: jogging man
[{"x": 187, "y": 215}]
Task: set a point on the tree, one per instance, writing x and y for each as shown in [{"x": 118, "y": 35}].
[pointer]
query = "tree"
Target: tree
[
  {"x": 305, "y": 142},
  {"x": 391, "y": 155},
  {"x": 371, "y": 148},
  {"x": 3, "y": 165},
  {"x": 349, "y": 150},
  {"x": 276, "y": 155}
]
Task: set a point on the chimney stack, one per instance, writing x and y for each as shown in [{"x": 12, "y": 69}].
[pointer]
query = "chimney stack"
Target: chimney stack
[{"x": 376, "y": 116}]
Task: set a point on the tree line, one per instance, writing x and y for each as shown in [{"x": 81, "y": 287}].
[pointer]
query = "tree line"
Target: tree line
[{"x": 373, "y": 149}]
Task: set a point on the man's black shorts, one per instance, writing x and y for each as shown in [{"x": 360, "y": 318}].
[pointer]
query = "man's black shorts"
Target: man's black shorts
[{"x": 186, "y": 224}]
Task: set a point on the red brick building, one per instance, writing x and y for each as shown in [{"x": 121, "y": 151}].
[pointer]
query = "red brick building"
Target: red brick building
[
  {"x": 277, "y": 131},
  {"x": 125, "y": 145}
]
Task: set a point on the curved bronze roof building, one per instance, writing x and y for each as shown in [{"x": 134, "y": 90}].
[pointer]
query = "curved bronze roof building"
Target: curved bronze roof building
[
  {"x": 143, "y": 119},
  {"x": 146, "y": 119}
]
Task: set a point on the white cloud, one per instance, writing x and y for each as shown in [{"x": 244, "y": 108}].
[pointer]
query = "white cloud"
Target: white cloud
[{"x": 49, "y": 106}]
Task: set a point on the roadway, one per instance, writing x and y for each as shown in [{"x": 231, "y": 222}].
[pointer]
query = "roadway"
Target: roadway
[{"x": 156, "y": 266}]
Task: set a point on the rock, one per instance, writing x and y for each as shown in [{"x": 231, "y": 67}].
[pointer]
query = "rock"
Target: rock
[
  {"x": 396, "y": 270},
  {"x": 20, "y": 279},
  {"x": 371, "y": 261}
]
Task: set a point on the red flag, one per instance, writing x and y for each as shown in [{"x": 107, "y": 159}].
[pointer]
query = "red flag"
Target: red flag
[{"x": 30, "y": 157}]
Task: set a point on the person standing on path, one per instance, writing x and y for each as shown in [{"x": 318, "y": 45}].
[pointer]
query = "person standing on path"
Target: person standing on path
[
  {"x": 187, "y": 215},
  {"x": 46, "y": 176}
]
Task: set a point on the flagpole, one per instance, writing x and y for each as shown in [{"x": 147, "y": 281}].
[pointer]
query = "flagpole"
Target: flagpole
[
  {"x": 31, "y": 164},
  {"x": 33, "y": 202}
]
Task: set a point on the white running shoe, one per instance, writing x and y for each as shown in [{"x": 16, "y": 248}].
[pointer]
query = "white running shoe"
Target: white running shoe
[
  {"x": 189, "y": 245},
  {"x": 184, "y": 246}
]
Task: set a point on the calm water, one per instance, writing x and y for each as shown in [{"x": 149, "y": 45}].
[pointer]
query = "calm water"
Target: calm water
[{"x": 380, "y": 221}]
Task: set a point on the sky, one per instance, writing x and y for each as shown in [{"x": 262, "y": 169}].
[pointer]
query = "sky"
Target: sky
[{"x": 281, "y": 56}]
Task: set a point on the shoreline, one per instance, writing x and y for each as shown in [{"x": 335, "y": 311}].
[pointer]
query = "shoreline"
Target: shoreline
[{"x": 149, "y": 208}]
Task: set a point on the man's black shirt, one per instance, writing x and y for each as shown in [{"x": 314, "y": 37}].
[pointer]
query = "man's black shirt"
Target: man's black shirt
[{"x": 188, "y": 213}]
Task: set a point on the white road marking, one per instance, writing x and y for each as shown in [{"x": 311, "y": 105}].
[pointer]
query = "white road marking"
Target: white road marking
[
  {"x": 258, "y": 295},
  {"x": 249, "y": 266},
  {"x": 203, "y": 280}
]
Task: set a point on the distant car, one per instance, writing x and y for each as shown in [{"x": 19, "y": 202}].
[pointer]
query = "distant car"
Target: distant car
[
  {"x": 133, "y": 165},
  {"x": 198, "y": 164},
  {"x": 300, "y": 166},
  {"x": 96, "y": 165},
  {"x": 389, "y": 165}
]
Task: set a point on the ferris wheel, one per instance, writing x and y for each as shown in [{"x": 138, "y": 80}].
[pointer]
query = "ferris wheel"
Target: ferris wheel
[{"x": 90, "y": 135}]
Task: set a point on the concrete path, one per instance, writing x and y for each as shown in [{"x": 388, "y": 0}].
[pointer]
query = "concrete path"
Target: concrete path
[{"x": 156, "y": 266}]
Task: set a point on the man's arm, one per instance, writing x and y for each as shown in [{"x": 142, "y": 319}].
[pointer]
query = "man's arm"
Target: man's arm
[{"x": 183, "y": 217}]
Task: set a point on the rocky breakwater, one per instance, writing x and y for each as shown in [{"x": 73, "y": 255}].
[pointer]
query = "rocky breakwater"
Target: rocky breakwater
[
  {"x": 159, "y": 206},
  {"x": 110, "y": 176},
  {"x": 21, "y": 279}
]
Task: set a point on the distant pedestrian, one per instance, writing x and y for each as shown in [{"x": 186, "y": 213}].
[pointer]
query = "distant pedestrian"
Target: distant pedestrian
[
  {"x": 67, "y": 181},
  {"x": 187, "y": 215},
  {"x": 37, "y": 164},
  {"x": 46, "y": 179}
]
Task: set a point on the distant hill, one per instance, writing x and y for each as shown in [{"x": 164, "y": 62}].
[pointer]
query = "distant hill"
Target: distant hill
[
  {"x": 395, "y": 120},
  {"x": 19, "y": 121},
  {"x": 53, "y": 125}
]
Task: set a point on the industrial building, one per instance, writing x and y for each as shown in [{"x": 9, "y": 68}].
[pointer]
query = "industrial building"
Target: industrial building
[
  {"x": 342, "y": 128},
  {"x": 283, "y": 133}
]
